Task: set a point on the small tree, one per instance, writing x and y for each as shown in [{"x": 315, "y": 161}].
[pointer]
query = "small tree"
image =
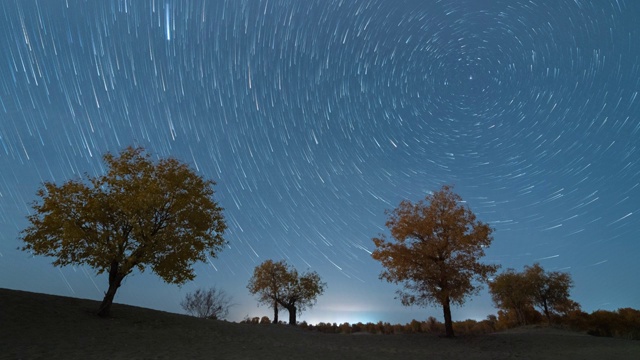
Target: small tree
[
  {"x": 279, "y": 285},
  {"x": 550, "y": 290},
  {"x": 267, "y": 281},
  {"x": 140, "y": 214},
  {"x": 207, "y": 304},
  {"x": 520, "y": 292},
  {"x": 438, "y": 243},
  {"x": 511, "y": 292}
]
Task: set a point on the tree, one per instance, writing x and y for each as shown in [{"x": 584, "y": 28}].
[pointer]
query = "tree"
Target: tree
[
  {"x": 511, "y": 292},
  {"x": 140, "y": 214},
  {"x": 520, "y": 292},
  {"x": 279, "y": 285},
  {"x": 267, "y": 281},
  {"x": 207, "y": 304},
  {"x": 435, "y": 252},
  {"x": 550, "y": 290}
]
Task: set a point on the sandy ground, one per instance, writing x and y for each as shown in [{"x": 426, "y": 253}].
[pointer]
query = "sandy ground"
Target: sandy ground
[{"x": 37, "y": 326}]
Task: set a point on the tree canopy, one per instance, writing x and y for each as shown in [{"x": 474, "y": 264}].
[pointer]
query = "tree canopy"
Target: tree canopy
[
  {"x": 435, "y": 251},
  {"x": 278, "y": 285},
  {"x": 140, "y": 214}
]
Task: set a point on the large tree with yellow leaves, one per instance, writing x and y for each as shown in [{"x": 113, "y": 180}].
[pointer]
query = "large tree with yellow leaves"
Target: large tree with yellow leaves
[{"x": 143, "y": 214}]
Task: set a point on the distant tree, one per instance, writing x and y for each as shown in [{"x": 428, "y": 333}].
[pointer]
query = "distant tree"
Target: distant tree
[
  {"x": 432, "y": 325},
  {"x": 207, "y": 304},
  {"x": 492, "y": 321},
  {"x": 534, "y": 287},
  {"x": 414, "y": 326},
  {"x": 436, "y": 252},
  {"x": 510, "y": 291},
  {"x": 266, "y": 282},
  {"x": 279, "y": 285},
  {"x": 345, "y": 328},
  {"x": 140, "y": 214},
  {"x": 550, "y": 290}
]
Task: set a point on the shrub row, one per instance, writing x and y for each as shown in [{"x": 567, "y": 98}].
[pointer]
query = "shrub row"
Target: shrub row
[{"x": 622, "y": 323}]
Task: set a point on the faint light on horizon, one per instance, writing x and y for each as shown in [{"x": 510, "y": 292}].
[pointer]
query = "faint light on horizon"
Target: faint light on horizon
[{"x": 340, "y": 317}]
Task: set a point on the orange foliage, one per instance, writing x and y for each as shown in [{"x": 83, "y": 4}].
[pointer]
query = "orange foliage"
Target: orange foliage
[{"x": 435, "y": 251}]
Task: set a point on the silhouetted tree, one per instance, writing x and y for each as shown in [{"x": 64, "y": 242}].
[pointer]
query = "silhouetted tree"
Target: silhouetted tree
[
  {"x": 267, "y": 281},
  {"x": 140, "y": 214},
  {"x": 435, "y": 252},
  {"x": 279, "y": 285},
  {"x": 550, "y": 290},
  {"x": 207, "y": 304},
  {"x": 510, "y": 291},
  {"x": 520, "y": 292}
]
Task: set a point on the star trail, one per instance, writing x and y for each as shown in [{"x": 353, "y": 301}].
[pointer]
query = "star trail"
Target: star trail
[{"x": 315, "y": 116}]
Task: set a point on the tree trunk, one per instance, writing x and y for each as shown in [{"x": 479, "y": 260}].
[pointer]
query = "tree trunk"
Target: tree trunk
[
  {"x": 546, "y": 311},
  {"x": 522, "y": 318},
  {"x": 275, "y": 312},
  {"x": 292, "y": 315},
  {"x": 448, "y": 324},
  {"x": 115, "y": 279}
]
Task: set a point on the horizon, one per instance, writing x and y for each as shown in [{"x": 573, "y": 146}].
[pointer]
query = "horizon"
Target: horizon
[{"x": 314, "y": 117}]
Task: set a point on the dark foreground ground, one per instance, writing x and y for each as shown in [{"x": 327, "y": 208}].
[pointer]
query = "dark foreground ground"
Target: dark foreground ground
[{"x": 38, "y": 326}]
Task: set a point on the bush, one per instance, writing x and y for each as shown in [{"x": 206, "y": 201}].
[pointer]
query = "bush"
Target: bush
[
  {"x": 624, "y": 323},
  {"x": 357, "y": 327},
  {"x": 464, "y": 327},
  {"x": 207, "y": 304},
  {"x": 576, "y": 320},
  {"x": 413, "y": 327},
  {"x": 631, "y": 323},
  {"x": 508, "y": 319},
  {"x": 345, "y": 328},
  {"x": 433, "y": 326},
  {"x": 602, "y": 323}
]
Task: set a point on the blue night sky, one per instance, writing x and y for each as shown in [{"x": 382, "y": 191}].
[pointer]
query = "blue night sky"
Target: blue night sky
[{"x": 314, "y": 116}]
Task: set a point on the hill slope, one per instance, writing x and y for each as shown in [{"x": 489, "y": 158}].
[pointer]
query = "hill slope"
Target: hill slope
[{"x": 53, "y": 327}]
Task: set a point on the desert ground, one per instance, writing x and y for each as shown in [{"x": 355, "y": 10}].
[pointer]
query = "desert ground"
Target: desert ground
[{"x": 38, "y": 326}]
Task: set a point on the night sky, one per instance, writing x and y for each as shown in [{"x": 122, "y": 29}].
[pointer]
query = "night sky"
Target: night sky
[{"x": 314, "y": 116}]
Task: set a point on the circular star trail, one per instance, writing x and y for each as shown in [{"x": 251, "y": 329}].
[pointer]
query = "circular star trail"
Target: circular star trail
[{"x": 313, "y": 117}]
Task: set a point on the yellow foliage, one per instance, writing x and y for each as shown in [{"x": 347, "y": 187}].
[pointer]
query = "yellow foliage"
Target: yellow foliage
[{"x": 140, "y": 214}]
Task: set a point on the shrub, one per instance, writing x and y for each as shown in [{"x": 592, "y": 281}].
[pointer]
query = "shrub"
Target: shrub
[
  {"x": 433, "y": 326},
  {"x": 624, "y": 323},
  {"x": 413, "y": 326},
  {"x": 207, "y": 304},
  {"x": 345, "y": 328}
]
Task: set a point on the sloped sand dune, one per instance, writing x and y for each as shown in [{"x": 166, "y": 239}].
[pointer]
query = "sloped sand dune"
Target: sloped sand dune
[{"x": 37, "y": 326}]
